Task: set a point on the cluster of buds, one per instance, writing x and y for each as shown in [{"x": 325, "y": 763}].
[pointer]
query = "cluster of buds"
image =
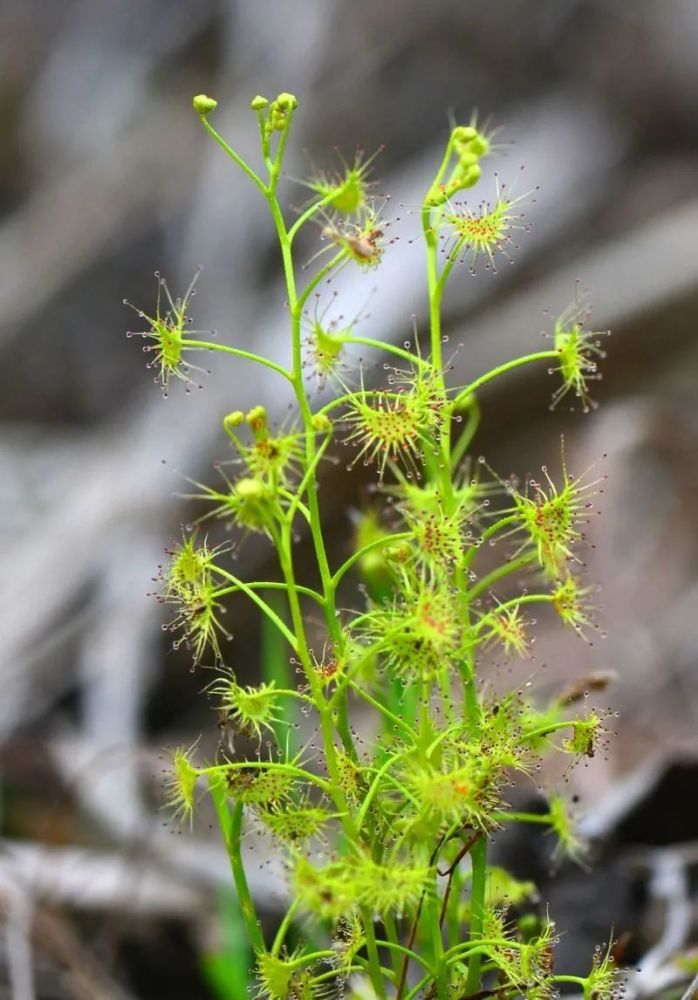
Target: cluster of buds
[
  {"x": 273, "y": 458},
  {"x": 274, "y": 116},
  {"x": 466, "y": 147}
]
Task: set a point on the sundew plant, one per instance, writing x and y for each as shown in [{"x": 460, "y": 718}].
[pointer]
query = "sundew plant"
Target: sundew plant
[{"x": 385, "y": 825}]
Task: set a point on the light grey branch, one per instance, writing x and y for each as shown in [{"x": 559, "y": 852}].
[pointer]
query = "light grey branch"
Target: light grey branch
[
  {"x": 692, "y": 991},
  {"x": 17, "y": 912}
]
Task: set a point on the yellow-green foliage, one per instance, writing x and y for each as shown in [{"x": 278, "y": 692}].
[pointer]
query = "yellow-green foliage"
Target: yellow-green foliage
[{"x": 383, "y": 825}]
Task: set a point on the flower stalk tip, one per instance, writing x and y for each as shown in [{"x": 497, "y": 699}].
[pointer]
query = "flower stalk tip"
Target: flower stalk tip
[{"x": 204, "y": 105}]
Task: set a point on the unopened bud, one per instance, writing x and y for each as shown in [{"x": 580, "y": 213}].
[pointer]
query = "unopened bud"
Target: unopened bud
[
  {"x": 480, "y": 145},
  {"x": 257, "y": 418},
  {"x": 321, "y": 423},
  {"x": 249, "y": 489},
  {"x": 471, "y": 176},
  {"x": 279, "y": 112},
  {"x": 258, "y": 103},
  {"x": 467, "y": 159},
  {"x": 233, "y": 419},
  {"x": 204, "y": 105},
  {"x": 286, "y": 102},
  {"x": 463, "y": 133},
  {"x": 436, "y": 196},
  {"x": 398, "y": 553}
]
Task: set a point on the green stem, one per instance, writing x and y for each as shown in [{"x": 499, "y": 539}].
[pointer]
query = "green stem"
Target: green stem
[
  {"x": 275, "y": 170},
  {"x": 466, "y": 436},
  {"x": 296, "y": 304},
  {"x": 317, "y": 278},
  {"x": 392, "y": 943},
  {"x": 481, "y": 946},
  {"x": 431, "y": 240},
  {"x": 446, "y": 272},
  {"x": 282, "y": 540},
  {"x": 521, "y": 817},
  {"x": 284, "y": 552},
  {"x": 402, "y": 950},
  {"x": 478, "y": 856},
  {"x": 235, "y": 157},
  {"x": 442, "y": 677},
  {"x": 350, "y": 397},
  {"x": 377, "y": 543},
  {"x": 395, "y": 719},
  {"x": 262, "y": 605},
  {"x": 313, "y": 956},
  {"x": 374, "y": 966},
  {"x": 307, "y": 478},
  {"x": 515, "y": 602},
  {"x": 272, "y": 585},
  {"x": 407, "y": 795},
  {"x": 341, "y": 721},
  {"x": 527, "y": 359},
  {"x": 284, "y": 926},
  {"x": 548, "y": 730},
  {"x": 452, "y": 921},
  {"x": 384, "y": 345},
  {"x": 440, "y": 968},
  {"x": 237, "y": 352},
  {"x": 296, "y": 772},
  {"x": 295, "y": 504},
  {"x": 472, "y": 703},
  {"x": 488, "y": 533},
  {"x": 230, "y": 822},
  {"x": 442, "y": 168},
  {"x": 306, "y": 216},
  {"x": 435, "y": 290},
  {"x": 488, "y": 581},
  {"x": 422, "y": 984},
  {"x": 370, "y": 795}
]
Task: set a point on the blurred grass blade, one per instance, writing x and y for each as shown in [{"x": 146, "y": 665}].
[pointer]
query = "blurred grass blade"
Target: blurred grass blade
[{"x": 228, "y": 971}]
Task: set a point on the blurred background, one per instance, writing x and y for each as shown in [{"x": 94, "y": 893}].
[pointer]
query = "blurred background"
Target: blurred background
[{"x": 105, "y": 177}]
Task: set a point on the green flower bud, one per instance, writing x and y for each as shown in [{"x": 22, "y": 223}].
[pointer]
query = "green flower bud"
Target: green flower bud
[
  {"x": 480, "y": 145},
  {"x": 257, "y": 418},
  {"x": 471, "y": 176},
  {"x": 436, "y": 196},
  {"x": 233, "y": 419},
  {"x": 398, "y": 553},
  {"x": 321, "y": 423},
  {"x": 204, "y": 105},
  {"x": 374, "y": 570},
  {"x": 286, "y": 102},
  {"x": 467, "y": 159},
  {"x": 249, "y": 489},
  {"x": 279, "y": 113},
  {"x": 463, "y": 133},
  {"x": 258, "y": 103}
]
